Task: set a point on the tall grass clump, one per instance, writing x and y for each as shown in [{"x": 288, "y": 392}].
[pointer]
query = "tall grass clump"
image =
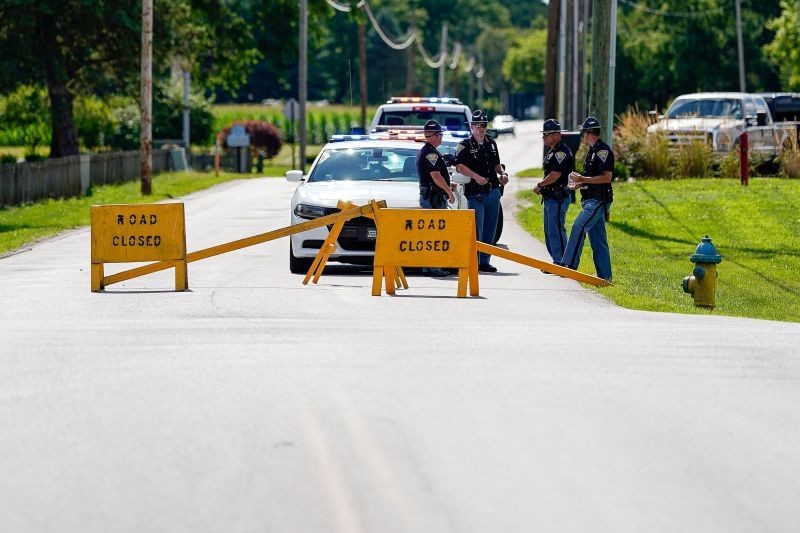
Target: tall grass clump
[
  {"x": 645, "y": 156},
  {"x": 790, "y": 158},
  {"x": 694, "y": 160},
  {"x": 655, "y": 160},
  {"x": 729, "y": 164}
]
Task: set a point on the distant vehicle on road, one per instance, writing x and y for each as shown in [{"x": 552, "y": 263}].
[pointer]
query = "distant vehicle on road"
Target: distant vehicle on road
[
  {"x": 401, "y": 111},
  {"x": 719, "y": 120},
  {"x": 504, "y": 124}
]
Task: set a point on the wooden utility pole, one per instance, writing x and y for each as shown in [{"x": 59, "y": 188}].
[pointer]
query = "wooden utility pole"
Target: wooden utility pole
[
  {"x": 443, "y": 52},
  {"x": 146, "y": 102},
  {"x": 362, "y": 71},
  {"x": 410, "y": 58},
  {"x": 551, "y": 62},
  {"x": 601, "y": 41},
  {"x": 302, "y": 89}
]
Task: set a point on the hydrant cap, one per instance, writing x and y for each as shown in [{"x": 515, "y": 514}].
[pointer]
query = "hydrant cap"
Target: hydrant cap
[{"x": 705, "y": 252}]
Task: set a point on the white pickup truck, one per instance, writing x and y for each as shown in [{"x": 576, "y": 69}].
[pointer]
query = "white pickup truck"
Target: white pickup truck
[{"x": 720, "y": 118}]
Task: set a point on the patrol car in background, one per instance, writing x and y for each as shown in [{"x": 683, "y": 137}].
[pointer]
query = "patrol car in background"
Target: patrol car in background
[
  {"x": 400, "y": 111},
  {"x": 358, "y": 168}
]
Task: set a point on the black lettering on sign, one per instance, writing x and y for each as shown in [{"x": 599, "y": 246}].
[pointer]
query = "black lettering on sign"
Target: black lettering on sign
[
  {"x": 420, "y": 224},
  {"x": 441, "y": 223},
  {"x": 409, "y": 224},
  {"x": 445, "y": 245},
  {"x": 431, "y": 225},
  {"x": 403, "y": 243},
  {"x": 153, "y": 219},
  {"x": 157, "y": 240},
  {"x": 132, "y": 220},
  {"x": 115, "y": 240},
  {"x": 428, "y": 246},
  {"x": 120, "y": 220}
]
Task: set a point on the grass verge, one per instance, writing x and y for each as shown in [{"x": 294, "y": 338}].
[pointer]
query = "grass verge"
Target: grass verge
[
  {"x": 530, "y": 173},
  {"x": 656, "y": 225},
  {"x": 26, "y": 224}
]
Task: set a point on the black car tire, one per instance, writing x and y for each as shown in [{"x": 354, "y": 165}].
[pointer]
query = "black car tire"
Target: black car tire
[{"x": 298, "y": 265}]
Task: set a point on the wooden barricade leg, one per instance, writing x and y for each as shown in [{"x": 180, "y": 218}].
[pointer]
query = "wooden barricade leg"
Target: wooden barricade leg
[
  {"x": 388, "y": 273},
  {"x": 463, "y": 275},
  {"x": 327, "y": 247},
  {"x": 401, "y": 277},
  {"x": 97, "y": 277},
  {"x": 181, "y": 275},
  {"x": 377, "y": 280},
  {"x": 474, "y": 287}
]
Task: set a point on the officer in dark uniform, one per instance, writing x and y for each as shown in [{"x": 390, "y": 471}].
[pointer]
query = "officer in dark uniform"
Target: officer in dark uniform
[
  {"x": 434, "y": 179},
  {"x": 477, "y": 158},
  {"x": 558, "y": 163},
  {"x": 596, "y": 198}
]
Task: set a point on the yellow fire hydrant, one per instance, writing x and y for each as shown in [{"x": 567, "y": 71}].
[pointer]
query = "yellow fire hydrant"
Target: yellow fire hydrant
[{"x": 702, "y": 284}]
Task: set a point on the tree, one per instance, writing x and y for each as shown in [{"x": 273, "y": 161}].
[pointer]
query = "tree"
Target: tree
[
  {"x": 83, "y": 46},
  {"x": 784, "y": 50},
  {"x": 524, "y": 63}
]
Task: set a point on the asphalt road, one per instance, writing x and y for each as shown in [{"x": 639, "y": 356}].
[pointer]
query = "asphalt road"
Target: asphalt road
[{"x": 254, "y": 403}]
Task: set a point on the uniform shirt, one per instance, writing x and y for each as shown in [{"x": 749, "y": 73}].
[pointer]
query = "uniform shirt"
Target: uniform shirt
[
  {"x": 599, "y": 159},
  {"x": 482, "y": 160},
  {"x": 559, "y": 159},
  {"x": 430, "y": 160}
]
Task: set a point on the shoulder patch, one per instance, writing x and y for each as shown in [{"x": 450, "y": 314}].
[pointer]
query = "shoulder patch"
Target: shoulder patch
[
  {"x": 433, "y": 158},
  {"x": 560, "y": 156},
  {"x": 459, "y": 148},
  {"x": 603, "y": 155}
]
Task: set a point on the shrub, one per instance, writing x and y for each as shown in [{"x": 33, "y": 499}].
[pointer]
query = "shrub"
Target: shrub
[
  {"x": 26, "y": 117},
  {"x": 729, "y": 165},
  {"x": 694, "y": 160},
  {"x": 94, "y": 120},
  {"x": 655, "y": 160},
  {"x": 7, "y": 158},
  {"x": 168, "y": 114},
  {"x": 124, "y": 134},
  {"x": 34, "y": 158},
  {"x": 790, "y": 158}
]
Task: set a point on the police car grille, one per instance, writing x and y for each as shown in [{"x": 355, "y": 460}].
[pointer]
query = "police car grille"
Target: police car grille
[{"x": 354, "y": 235}]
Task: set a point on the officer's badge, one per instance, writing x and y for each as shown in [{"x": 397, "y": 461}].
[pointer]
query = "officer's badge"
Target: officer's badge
[
  {"x": 603, "y": 154},
  {"x": 459, "y": 148},
  {"x": 433, "y": 158},
  {"x": 560, "y": 156}
]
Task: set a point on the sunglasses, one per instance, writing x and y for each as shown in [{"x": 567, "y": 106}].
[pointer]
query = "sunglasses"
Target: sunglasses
[{"x": 479, "y": 124}]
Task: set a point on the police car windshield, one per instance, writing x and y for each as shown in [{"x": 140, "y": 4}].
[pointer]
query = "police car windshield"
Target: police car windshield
[
  {"x": 706, "y": 108},
  {"x": 374, "y": 163},
  {"x": 452, "y": 121}
]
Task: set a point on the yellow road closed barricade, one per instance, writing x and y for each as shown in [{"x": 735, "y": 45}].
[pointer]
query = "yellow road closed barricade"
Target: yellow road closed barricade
[
  {"x": 425, "y": 238},
  {"x": 137, "y": 233}
]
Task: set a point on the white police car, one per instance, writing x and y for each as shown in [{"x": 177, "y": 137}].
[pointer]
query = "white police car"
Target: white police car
[
  {"x": 357, "y": 168},
  {"x": 402, "y": 111}
]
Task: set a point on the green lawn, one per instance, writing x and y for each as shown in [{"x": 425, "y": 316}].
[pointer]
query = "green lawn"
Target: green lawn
[
  {"x": 530, "y": 173},
  {"x": 26, "y": 224},
  {"x": 656, "y": 225}
]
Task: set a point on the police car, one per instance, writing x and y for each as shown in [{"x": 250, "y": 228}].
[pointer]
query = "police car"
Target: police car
[
  {"x": 357, "y": 168},
  {"x": 400, "y": 111}
]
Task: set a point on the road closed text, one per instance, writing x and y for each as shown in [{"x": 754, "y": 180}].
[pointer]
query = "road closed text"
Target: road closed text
[
  {"x": 429, "y": 245},
  {"x": 136, "y": 240}
]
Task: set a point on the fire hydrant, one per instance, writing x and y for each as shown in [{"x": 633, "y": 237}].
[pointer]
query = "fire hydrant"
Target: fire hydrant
[{"x": 702, "y": 284}]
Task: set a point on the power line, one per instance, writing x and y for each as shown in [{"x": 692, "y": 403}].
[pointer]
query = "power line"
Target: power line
[{"x": 677, "y": 14}]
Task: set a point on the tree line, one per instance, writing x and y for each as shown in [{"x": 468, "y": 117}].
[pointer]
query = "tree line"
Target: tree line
[{"x": 246, "y": 50}]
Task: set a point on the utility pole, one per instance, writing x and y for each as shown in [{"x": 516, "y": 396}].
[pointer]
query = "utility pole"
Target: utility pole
[
  {"x": 740, "y": 44},
  {"x": 442, "y": 58},
  {"x": 410, "y": 58},
  {"x": 574, "y": 85},
  {"x": 562, "y": 60},
  {"x": 146, "y": 99},
  {"x": 551, "y": 60},
  {"x": 302, "y": 88},
  {"x": 362, "y": 71},
  {"x": 599, "y": 104},
  {"x": 584, "y": 41},
  {"x": 186, "y": 108}
]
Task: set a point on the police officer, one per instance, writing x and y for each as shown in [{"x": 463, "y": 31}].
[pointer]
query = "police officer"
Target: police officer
[
  {"x": 434, "y": 179},
  {"x": 558, "y": 163},
  {"x": 596, "y": 198},
  {"x": 477, "y": 157}
]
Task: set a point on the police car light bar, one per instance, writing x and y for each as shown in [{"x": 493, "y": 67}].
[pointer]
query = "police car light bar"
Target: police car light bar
[
  {"x": 422, "y": 100},
  {"x": 343, "y": 137}
]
